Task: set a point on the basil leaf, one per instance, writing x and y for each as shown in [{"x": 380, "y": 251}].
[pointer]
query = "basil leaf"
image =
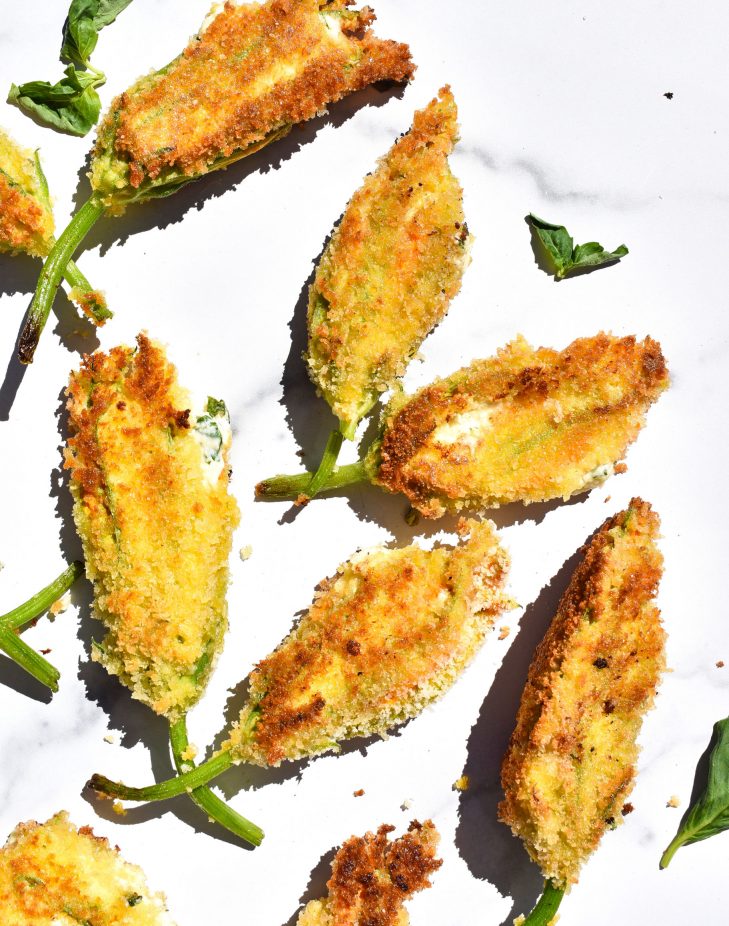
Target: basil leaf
[
  {"x": 216, "y": 407},
  {"x": 108, "y": 10},
  {"x": 562, "y": 256},
  {"x": 72, "y": 105},
  {"x": 80, "y": 33},
  {"x": 709, "y": 815}
]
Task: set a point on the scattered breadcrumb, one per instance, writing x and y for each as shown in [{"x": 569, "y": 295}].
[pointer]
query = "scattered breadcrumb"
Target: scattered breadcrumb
[
  {"x": 627, "y": 808},
  {"x": 621, "y": 467},
  {"x": 406, "y": 804},
  {"x": 359, "y": 792},
  {"x": 607, "y": 498},
  {"x": 110, "y": 739},
  {"x": 58, "y": 607},
  {"x": 504, "y": 632},
  {"x": 462, "y": 783},
  {"x": 720, "y": 664},
  {"x": 190, "y": 752},
  {"x": 45, "y": 652},
  {"x": 245, "y": 552},
  {"x": 673, "y": 801},
  {"x": 119, "y": 809}
]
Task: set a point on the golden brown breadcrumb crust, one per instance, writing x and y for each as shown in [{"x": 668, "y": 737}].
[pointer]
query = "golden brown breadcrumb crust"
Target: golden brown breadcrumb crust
[
  {"x": 25, "y": 225},
  {"x": 252, "y": 70},
  {"x": 372, "y": 877},
  {"x": 551, "y": 424},
  {"x": 391, "y": 269},
  {"x": 156, "y": 533},
  {"x": 388, "y": 634},
  {"x": 52, "y": 873},
  {"x": 571, "y": 760}
]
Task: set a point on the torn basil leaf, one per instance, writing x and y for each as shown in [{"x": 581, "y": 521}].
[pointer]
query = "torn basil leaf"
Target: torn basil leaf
[
  {"x": 563, "y": 256},
  {"x": 709, "y": 815},
  {"x": 216, "y": 408},
  {"x": 72, "y": 105}
]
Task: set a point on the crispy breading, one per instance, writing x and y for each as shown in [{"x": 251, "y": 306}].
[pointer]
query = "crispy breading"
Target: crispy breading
[
  {"x": 26, "y": 219},
  {"x": 388, "y": 634},
  {"x": 52, "y": 874},
  {"x": 391, "y": 268},
  {"x": 156, "y": 522},
  {"x": 526, "y": 425},
  {"x": 372, "y": 878},
  {"x": 252, "y": 72},
  {"x": 571, "y": 760}
]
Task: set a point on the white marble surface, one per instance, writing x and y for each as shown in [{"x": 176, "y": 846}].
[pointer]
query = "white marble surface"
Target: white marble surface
[{"x": 563, "y": 114}]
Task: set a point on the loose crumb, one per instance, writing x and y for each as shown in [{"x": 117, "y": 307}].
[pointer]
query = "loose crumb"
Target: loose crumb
[
  {"x": 245, "y": 552},
  {"x": 621, "y": 467},
  {"x": 190, "y": 752},
  {"x": 110, "y": 739},
  {"x": 58, "y": 607},
  {"x": 720, "y": 664},
  {"x": 119, "y": 808},
  {"x": 668, "y": 94},
  {"x": 462, "y": 783},
  {"x": 45, "y": 652},
  {"x": 504, "y": 632},
  {"x": 406, "y": 804},
  {"x": 673, "y": 801},
  {"x": 627, "y": 808},
  {"x": 358, "y": 793},
  {"x": 607, "y": 498}
]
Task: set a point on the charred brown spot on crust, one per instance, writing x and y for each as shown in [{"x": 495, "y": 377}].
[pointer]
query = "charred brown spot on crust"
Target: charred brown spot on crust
[
  {"x": 353, "y": 648},
  {"x": 373, "y": 876}
]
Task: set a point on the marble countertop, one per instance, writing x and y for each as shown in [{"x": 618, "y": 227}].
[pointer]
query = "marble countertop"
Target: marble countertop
[{"x": 563, "y": 113}]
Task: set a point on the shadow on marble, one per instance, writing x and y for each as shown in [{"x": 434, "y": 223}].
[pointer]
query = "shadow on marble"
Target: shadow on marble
[
  {"x": 317, "y": 886},
  {"x": 12, "y": 676},
  {"x": 170, "y": 210},
  {"x": 486, "y": 845}
]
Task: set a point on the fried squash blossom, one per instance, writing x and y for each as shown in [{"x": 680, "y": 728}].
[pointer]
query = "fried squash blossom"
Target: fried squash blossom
[
  {"x": 571, "y": 760},
  {"x": 26, "y": 219},
  {"x": 149, "y": 479},
  {"x": 388, "y": 634},
  {"x": 391, "y": 268},
  {"x": 373, "y": 876},
  {"x": 52, "y": 874},
  {"x": 250, "y": 74},
  {"x": 526, "y": 425}
]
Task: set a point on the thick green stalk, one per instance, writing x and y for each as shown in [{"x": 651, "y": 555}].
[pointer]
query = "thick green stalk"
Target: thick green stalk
[
  {"x": 52, "y": 273},
  {"x": 328, "y": 460},
  {"x": 28, "y": 659},
  {"x": 547, "y": 905},
  {"x": 210, "y": 803},
  {"x": 282, "y": 487},
  {"x": 42, "y": 600},
  {"x": 81, "y": 289},
  {"x": 188, "y": 781}
]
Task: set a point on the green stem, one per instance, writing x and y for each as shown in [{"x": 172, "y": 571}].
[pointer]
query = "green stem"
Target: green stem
[
  {"x": 214, "y": 807},
  {"x": 281, "y": 487},
  {"x": 42, "y": 600},
  {"x": 52, "y": 272},
  {"x": 678, "y": 840},
  {"x": 547, "y": 905},
  {"x": 188, "y": 781},
  {"x": 28, "y": 659},
  {"x": 90, "y": 300},
  {"x": 17, "y": 649},
  {"x": 331, "y": 452}
]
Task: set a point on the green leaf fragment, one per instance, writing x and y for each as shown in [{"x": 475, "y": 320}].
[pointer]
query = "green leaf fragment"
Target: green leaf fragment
[
  {"x": 72, "y": 105},
  {"x": 709, "y": 815},
  {"x": 216, "y": 408},
  {"x": 563, "y": 256}
]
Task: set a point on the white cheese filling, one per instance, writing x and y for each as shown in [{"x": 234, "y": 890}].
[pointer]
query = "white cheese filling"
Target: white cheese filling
[{"x": 214, "y": 436}]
